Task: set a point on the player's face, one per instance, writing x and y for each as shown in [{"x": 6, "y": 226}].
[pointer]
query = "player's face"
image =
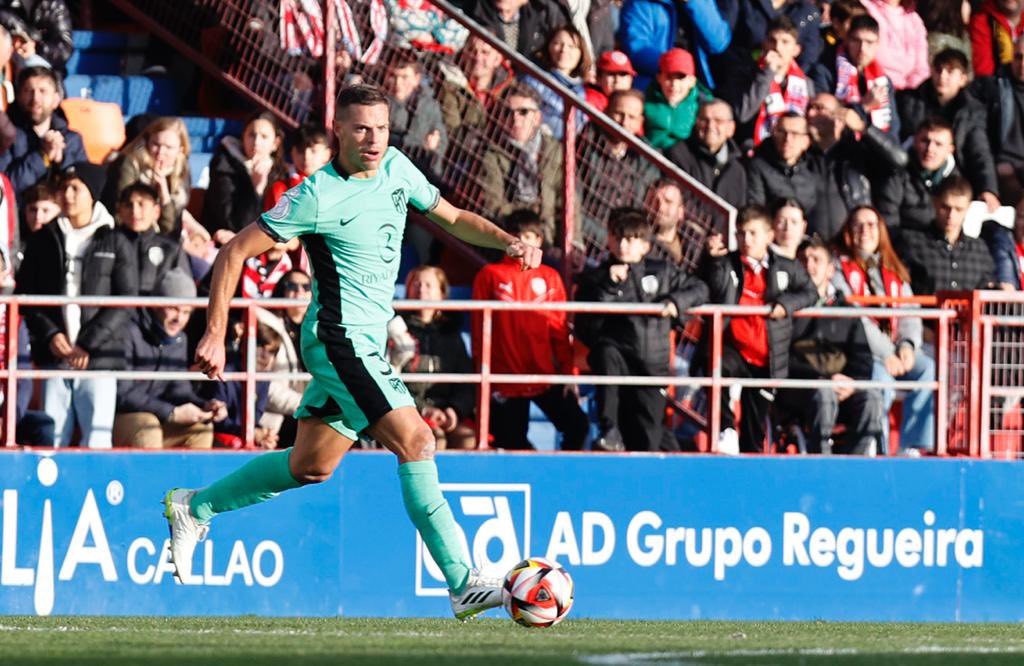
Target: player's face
[
  {"x": 139, "y": 213},
  {"x": 362, "y": 136}
]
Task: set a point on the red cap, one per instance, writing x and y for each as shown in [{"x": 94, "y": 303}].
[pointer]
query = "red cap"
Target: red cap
[
  {"x": 615, "y": 61},
  {"x": 676, "y": 61}
]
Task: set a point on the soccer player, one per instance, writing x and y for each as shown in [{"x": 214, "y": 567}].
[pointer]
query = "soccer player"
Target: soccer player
[{"x": 349, "y": 215}]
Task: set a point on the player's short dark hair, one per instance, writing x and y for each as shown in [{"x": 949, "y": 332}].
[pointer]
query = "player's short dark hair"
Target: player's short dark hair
[
  {"x": 863, "y": 22},
  {"x": 629, "y": 223},
  {"x": 753, "y": 213},
  {"x": 141, "y": 189},
  {"x": 522, "y": 220},
  {"x": 360, "y": 94},
  {"x": 951, "y": 59},
  {"x": 956, "y": 186},
  {"x": 783, "y": 24},
  {"x": 310, "y": 135},
  {"x": 936, "y": 124},
  {"x": 267, "y": 336},
  {"x": 814, "y": 242},
  {"x": 37, "y": 71}
]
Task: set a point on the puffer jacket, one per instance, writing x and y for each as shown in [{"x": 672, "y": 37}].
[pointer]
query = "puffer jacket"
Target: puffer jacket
[
  {"x": 728, "y": 180},
  {"x": 156, "y": 256},
  {"x": 770, "y": 178},
  {"x": 904, "y": 197},
  {"x": 47, "y": 22},
  {"x": 231, "y": 201}
]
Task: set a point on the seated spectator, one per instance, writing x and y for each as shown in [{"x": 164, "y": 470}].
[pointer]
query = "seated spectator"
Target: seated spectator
[
  {"x": 416, "y": 125},
  {"x": 779, "y": 87},
  {"x": 711, "y": 156},
  {"x": 1003, "y": 96},
  {"x": 943, "y": 258},
  {"x": 525, "y": 25},
  {"x": 294, "y": 284},
  {"x": 260, "y": 274},
  {"x": 40, "y": 205},
  {"x": 789, "y": 227},
  {"x": 528, "y": 172},
  {"x": 754, "y": 346},
  {"x": 431, "y": 341},
  {"x": 857, "y": 79},
  {"x": 946, "y": 22},
  {"x": 648, "y": 28},
  {"x": 946, "y": 95},
  {"x": 664, "y": 204},
  {"x": 631, "y": 417},
  {"x": 565, "y": 58},
  {"x": 43, "y": 29},
  {"x": 157, "y": 157},
  {"x": 869, "y": 266},
  {"x": 138, "y": 214},
  {"x": 904, "y": 197},
  {"x": 528, "y": 343},
  {"x": 227, "y": 433},
  {"x": 159, "y": 414},
  {"x": 43, "y": 144},
  {"x": 784, "y": 169},
  {"x": 994, "y": 27},
  {"x": 310, "y": 152},
  {"x": 752, "y": 23},
  {"x": 79, "y": 254},
  {"x": 833, "y": 348},
  {"x": 417, "y": 24},
  {"x": 614, "y": 72},
  {"x": 670, "y": 106},
  {"x": 903, "y": 42},
  {"x": 240, "y": 172},
  {"x": 468, "y": 93}
]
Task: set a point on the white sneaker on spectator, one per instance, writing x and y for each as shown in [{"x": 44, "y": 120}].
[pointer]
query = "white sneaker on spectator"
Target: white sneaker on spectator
[
  {"x": 729, "y": 442},
  {"x": 186, "y": 531}
]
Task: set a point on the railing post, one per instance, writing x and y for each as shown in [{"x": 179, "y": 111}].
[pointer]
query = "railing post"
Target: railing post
[
  {"x": 249, "y": 401},
  {"x": 568, "y": 191},
  {"x": 484, "y": 406},
  {"x": 715, "y": 399},
  {"x": 11, "y": 392},
  {"x": 329, "y": 56},
  {"x": 974, "y": 381},
  {"x": 942, "y": 392},
  {"x": 985, "y": 397}
]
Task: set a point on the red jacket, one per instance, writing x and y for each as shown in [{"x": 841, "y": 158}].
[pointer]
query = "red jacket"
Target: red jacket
[
  {"x": 523, "y": 342},
  {"x": 992, "y": 39}
]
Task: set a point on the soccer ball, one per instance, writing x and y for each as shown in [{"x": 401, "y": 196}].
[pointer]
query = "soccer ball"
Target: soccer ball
[{"x": 537, "y": 593}]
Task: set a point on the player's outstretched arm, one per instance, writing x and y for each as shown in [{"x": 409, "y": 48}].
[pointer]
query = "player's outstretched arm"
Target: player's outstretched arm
[
  {"x": 478, "y": 230},
  {"x": 250, "y": 242}
]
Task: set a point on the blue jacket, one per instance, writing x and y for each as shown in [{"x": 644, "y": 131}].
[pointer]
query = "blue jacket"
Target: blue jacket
[
  {"x": 24, "y": 163},
  {"x": 648, "y": 28},
  {"x": 552, "y": 108},
  {"x": 1003, "y": 249}
]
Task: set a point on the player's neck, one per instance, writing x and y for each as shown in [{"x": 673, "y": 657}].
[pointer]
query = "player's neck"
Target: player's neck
[{"x": 347, "y": 170}]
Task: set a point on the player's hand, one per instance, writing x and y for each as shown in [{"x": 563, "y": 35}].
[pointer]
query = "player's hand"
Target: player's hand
[
  {"x": 716, "y": 246},
  {"x": 618, "y": 272},
  {"x": 894, "y": 366},
  {"x": 78, "y": 359},
  {"x": 189, "y": 414},
  {"x": 842, "y": 392},
  {"x": 59, "y": 346},
  {"x": 217, "y": 409},
  {"x": 210, "y": 356},
  {"x": 778, "y": 312},
  {"x": 529, "y": 257}
]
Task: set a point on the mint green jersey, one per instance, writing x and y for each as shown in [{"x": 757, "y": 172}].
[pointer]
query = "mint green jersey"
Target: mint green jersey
[{"x": 352, "y": 231}]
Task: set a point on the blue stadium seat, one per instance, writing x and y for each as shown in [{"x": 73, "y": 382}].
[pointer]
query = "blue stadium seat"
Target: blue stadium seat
[
  {"x": 199, "y": 164},
  {"x": 89, "y": 63},
  {"x": 200, "y": 126},
  {"x": 134, "y": 94},
  {"x": 88, "y": 40}
]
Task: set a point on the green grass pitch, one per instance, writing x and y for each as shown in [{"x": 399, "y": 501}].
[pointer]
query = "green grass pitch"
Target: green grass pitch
[{"x": 250, "y": 641}]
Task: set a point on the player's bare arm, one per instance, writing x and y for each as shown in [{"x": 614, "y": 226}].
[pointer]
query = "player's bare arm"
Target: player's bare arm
[
  {"x": 227, "y": 269},
  {"x": 477, "y": 230}
]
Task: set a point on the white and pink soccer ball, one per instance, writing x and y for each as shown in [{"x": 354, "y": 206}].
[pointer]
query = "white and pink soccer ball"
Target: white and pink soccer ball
[{"x": 537, "y": 593}]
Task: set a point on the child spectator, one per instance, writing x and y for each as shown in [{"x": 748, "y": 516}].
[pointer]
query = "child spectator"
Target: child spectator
[
  {"x": 138, "y": 214},
  {"x": 753, "y": 346},
  {"x": 311, "y": 151},
  {"x": 671, "y": 102},
  {"x": 630, "y": 417},
  {"x": 994, "y": 28},
  {"x": 228, "y": 431},
  {"x": 614, "y": 72},
  {"x": 711, "y": 156},
  {"x": 789, "y": 227},
  {"x": 40, "y": 205},
  {"x": 903, "y": 42},
  {"x": 528, "y": 343},
  {"x": 416, "y": 124},
  {"x": 566, "y": 58}
]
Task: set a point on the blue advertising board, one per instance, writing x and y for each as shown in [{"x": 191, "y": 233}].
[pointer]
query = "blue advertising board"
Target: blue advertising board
[{"x": 645, "y": 537}]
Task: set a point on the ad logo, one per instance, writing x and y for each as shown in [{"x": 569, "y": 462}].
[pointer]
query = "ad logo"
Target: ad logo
[{"x": 493, "y": 521}]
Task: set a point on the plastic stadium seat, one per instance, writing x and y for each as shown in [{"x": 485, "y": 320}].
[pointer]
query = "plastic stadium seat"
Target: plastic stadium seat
[
  {"x": 87, "y": 40},
  {"x": 100, "y": 124},
  {"x": 89, "y": 63},
  {"x": 200, "y": 126},
  {"x": 134, "y": 94},
  {"x": 199, "y": 165}
]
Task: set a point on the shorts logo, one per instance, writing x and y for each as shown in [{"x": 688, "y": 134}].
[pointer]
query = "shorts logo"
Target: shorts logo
[
  {"x": 398, "y": 385},
  {"x": 493, "y": 521},
  {"x": 400, "y": 200}
]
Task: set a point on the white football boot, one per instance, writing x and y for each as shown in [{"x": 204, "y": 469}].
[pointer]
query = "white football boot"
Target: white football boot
[
  {"x": 481, "y": 593},
  {"x": 186, "y": 531}
]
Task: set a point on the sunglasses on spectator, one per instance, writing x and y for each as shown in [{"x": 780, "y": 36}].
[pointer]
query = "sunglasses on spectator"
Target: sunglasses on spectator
[
  {"x": 298, "y": 286},
  {"x": 523, "y": 110}
]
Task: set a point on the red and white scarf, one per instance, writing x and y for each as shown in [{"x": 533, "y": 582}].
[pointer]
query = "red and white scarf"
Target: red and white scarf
[
  {"x": 860, "y": 285},
  {"x": 848, "y": 89},
  {"x": 259, "y": 278},
  {"x": 1020, "y": 262},
  {"x": 302, "y": 28},
  {"x": 779, "y": 101}
]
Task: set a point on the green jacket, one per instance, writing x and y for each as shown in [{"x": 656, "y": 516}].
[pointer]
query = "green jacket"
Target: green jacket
[{"x": 665, "y": 125}]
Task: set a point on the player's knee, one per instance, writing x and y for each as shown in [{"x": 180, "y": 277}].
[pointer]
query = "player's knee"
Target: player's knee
[
  {"x": 312, "y": 471},
  {"x": 420, "y": 445}
]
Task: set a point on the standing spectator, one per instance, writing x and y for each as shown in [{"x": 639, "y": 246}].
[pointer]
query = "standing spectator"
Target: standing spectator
[
  {"x": 711, "y": 156},
  {"x": 158, "y": 414},
  {"x": 755, "y": 347},
  {"x": 789, "y": 226},
  {"x": 837, "y": 349},
  {"x": 783, "y": 169},
  {"x": 752, "y": 22},
  {"x": 664, "y": 204},
  {"x": 44, "y": 27},
  {"x": 525, "y": 25},
  {"x": 946, "y": 95},
  {"x": 1003, "y": 95},
  {"x": 869, "y": 266},
  {"x": 614, "y": 72},
  {"x": 157, "y": 157},
  {"x": 138, "y": 213},
  {"x": 671, "y": 102},
  {"x": 417, "y": 24},
  {"x": 994, "y": 28},
  {"x": 648, "y": 28},
  {"x": 631, "y": 416},
  {"x": 469, "y": 92},
  {"x": 943, "y": 258},
  {"x": 904, "y": 197},
  {"x": 79, "y": 254},
  {"x": 528, "y": 343},
  {"x": 240, "y": 172},
  {"x": 416, "y": 125},
  {"x": 565, "y": 57},
  {"x": 310, "y": 152},
  {"x": 903, "y": 43},
  {"x": 946, "y": 22},
  {"x": 43, "y": 144}
]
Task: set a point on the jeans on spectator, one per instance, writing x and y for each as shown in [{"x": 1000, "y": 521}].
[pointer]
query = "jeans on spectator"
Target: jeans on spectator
[
  {"x": 90, "y": 402},
  {"x": 917, "y": 431},
  {"x": 637, "y": 411},
  {"x": 754, "y": 402},
  {"x": 861, "y": 413},
  {"x": 510, "y": 419},
  {"x": 145, "y": 431}
]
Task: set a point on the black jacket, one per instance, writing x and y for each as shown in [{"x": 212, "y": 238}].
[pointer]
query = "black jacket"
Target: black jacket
[
  {"x": 749, "y": 21},
  {"x": 769, "y": 178},
  {"x": 440, "y": 348},
  {"x": 47, "y": 22},
  {"x": 146, "y": 347},
  {"x": 109, "y": 269},
  {"x": 728, "y": 180},
  {"x": 537, "y": 18},
  {"x": 1003, "y": 97},
  {"x": 644, "y": 338},
  {"x": 828, "y": 335},
  {"x": 904, "y": 196},
  {"x": 967, "y": 115},
  {"x": 231, "y": 201},
  {"x": 786, "y": 284},
  {"x": 156, "y": 255}
]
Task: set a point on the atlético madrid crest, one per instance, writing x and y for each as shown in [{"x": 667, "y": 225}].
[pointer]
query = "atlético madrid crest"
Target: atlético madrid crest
[{"x": 399, "y": 199}]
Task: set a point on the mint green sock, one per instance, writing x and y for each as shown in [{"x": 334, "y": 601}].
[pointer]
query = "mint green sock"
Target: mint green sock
[
  {"x": 432, "y": 516},
  {"x": 256, "y": 481}
]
